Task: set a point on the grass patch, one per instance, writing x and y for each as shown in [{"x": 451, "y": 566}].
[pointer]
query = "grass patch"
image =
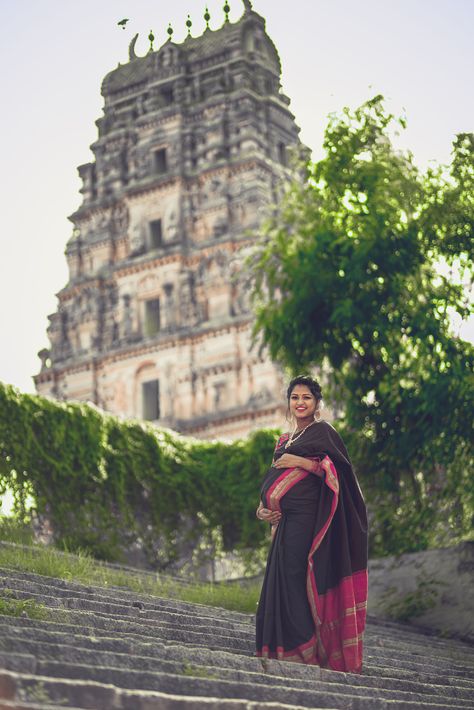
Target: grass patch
[
  {"x": 198, "y": 672},
  {"x": 9, "y": 606},
  {"x": 82, "y": 568},
  {"x": 14, "y": 530}
]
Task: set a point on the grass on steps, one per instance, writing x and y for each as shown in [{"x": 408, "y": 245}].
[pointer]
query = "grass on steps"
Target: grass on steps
[
  {"x": 82, "y": 568},
  {"x": 9, "y": 606}
]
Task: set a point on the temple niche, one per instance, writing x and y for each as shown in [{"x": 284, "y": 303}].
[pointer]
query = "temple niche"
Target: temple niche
[{"x": 155, "y": 320}]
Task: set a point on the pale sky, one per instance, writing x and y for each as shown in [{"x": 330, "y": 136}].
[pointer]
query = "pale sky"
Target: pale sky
[{"x": 55, "y": 53}]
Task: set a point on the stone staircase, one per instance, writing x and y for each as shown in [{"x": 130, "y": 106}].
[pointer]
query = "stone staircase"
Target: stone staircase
[{"x": 108, "y": 648}]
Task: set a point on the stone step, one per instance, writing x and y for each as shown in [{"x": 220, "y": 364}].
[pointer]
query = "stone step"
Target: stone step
[
  {"x": 153, "y": 634},
  {"x": 204, "y": 656},
  {"x": 386, "y": 636},
  {"x": 135, "y": 607},
  {"x": 84, "y": 622},
  {"x": 17, "y": 705},
  {"x": 23, "y": 705},
  {"x": 61, "y": 586},
  {"x": 233, "y": 620},
  {"x": 138, "y": 612},
  {"x": 40, "y": 654},
  {"x": 136, "y": 644},
  {"x": 22, "y": 692},
  {"x": 113, "y": 593},
  {"x": 98, "y": 626},
  {"x": 201, "y": 687},
  {"x": 263, "y": 685},
  {"x": 132, "y": 646}
]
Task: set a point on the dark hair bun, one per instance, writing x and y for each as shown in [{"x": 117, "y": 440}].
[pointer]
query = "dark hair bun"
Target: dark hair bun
[{"x": 313, "y": 386}]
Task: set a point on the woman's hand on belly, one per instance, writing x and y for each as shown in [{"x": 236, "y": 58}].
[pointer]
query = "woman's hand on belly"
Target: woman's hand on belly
[
  {"x": 293, "y": 461},
  {"x": 288, "y": 461},
  {"x": 269, "y": 516}
]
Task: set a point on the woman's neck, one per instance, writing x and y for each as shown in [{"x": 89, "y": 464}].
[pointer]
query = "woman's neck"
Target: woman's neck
[{"x": 302, "y": 423}]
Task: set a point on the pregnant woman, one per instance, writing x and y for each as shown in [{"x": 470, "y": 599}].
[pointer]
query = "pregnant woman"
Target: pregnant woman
[{"x": 313, "y": 601}]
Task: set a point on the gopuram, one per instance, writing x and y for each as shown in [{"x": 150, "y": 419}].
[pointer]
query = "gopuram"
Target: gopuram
[{"x": 155, "y": 321}]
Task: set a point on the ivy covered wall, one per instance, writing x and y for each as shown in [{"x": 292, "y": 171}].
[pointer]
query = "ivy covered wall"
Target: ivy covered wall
[{"x": 106, "y": 484}]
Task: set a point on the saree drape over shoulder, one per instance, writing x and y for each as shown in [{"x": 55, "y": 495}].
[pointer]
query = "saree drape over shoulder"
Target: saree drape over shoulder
[{"x": 313, "y": 602}]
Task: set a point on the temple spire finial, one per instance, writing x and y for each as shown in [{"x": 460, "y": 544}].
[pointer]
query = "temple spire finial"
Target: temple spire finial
[
  {"x": 189, "y": 24},
  {"x": 207, "y": 17},
  {"x": 151, "y": 37},
  {"x": 169, "y": 32},
  {"x": 226, "y": 9}
]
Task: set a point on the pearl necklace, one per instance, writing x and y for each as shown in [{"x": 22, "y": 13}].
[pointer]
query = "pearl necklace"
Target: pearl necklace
[{"x": 294, "y": 438}]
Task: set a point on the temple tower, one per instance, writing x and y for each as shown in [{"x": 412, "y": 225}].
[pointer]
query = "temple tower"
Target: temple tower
[{"x": 154, "y": 321}]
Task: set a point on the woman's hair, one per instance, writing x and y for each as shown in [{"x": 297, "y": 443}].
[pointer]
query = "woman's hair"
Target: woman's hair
[{"x": 313, "y": 386}]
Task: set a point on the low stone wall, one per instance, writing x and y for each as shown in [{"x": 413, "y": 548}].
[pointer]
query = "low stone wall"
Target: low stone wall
[{"x": 433, "y": 588}]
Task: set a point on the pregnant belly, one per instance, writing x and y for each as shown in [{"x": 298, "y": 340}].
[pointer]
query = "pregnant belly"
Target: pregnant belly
[{"x": 303, "y": 498}]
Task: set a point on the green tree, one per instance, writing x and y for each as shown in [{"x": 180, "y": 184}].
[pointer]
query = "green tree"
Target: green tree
[{"x": 361, "y": 269}]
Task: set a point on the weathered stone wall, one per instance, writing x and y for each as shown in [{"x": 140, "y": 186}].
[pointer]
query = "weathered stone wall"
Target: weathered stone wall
[{"x": 446, "y": 576}]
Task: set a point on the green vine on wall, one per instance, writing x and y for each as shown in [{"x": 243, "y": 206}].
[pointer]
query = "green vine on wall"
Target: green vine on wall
[{"x": 105, "y": 484}]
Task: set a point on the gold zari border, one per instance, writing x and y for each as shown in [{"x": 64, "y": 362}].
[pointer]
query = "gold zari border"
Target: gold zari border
[{"x": 279, "y": 491}]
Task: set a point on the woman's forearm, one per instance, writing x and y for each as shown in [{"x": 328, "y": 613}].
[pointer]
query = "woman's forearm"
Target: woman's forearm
[{"x": 311, "y": 465}]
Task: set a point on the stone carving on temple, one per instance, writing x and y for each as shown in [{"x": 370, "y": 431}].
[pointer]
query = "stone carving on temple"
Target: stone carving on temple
[
  {"x": 120, "y": 218},
  {"x": 126, "y": 316}
]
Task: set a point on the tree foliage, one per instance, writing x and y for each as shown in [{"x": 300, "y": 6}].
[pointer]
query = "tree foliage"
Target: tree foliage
[{"x": 361, "y": 269}]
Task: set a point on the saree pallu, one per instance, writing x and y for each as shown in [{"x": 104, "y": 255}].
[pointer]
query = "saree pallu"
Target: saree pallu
[{"x": 313, "y": 603}]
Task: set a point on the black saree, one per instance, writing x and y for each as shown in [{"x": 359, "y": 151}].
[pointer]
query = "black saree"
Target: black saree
[{"x": 313, "y": 601}]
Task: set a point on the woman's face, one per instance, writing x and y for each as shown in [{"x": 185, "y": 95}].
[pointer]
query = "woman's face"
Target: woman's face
[{"x": 302, "y": 403}]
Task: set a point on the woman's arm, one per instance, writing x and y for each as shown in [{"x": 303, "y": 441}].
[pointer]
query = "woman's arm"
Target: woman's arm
[{"x": 292, "y": 461}]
